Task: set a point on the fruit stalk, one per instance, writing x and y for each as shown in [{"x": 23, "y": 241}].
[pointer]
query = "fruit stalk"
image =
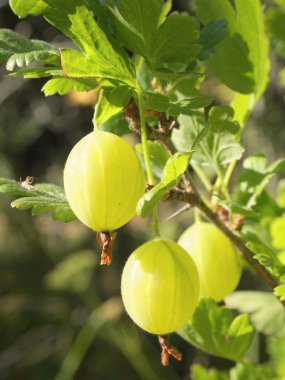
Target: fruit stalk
[
  {"x": 150, "y": 177},
  {"x": 167, "y": 350}
]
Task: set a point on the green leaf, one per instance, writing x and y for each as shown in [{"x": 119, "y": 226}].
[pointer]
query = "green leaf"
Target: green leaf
[
  {"x": 104, "y": 55},
  {"x": 139, "y": 27},
  {"x": 38, "y": 72},
  {"x": 23, "y": 8},
  {"x": 172, "y": 172},
  {"x": 255, "y": 176},
  {"x": 20, "y": 51},
  {"x": 112, "y": 101},
  {"x": 215, "y": 330},
  {"x": 158, "y": 156},
  {"x": 276, "y": 349},
  {"x": 163, "y": 103},
  {"x": 40, "y": 198},
  {"x": 266, "y": 312},
  {"x": 77, "y": 65},
  {"x": 248, "y": 371},
  {"x": 241, "y": 210},
  {"x": 116, "y": 124},
  {"x": 243, "y": 106},
  {"x": 14, "y": 188},
  {"x": 74, "y": 273},
  {"x": 281, "y": 193},
  {"x": 210, "y": 38},
  {"x": 136, "y": 23},
  {"x": 277, "y": 229},
  {"x": 242, "y": 60},
  {"x": 264, "y": 254},
  {"x": 200, "y": 373},
  {"x": 175, "y": 51},
  {"x": 218, "y": 145},
  {"x": 63, "y": 86},
  {"x": 279, "y": 292}
]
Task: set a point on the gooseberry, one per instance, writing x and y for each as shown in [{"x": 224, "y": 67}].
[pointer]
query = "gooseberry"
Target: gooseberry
[
  {"x": 160, "y": 286},
  {"x": 103, "y": 181},
  {"x": 216, "y": 259}
]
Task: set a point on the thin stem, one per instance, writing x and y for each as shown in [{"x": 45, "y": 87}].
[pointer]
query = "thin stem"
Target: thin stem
[
  {"x": 221, "y": 181},
  {"x": 231, "y": 167},
  {"x": 197, "y": 168},
  {"x": 150, "y": 176},
  {"x": 176, "y": 213},
  {"x": 229, "y": 173},
  {"x": 203, "y": 178},
  {"x": 197, "y": 215},
  {"x": 155, "y": 221},
  {"x": 96, "y": 126}
]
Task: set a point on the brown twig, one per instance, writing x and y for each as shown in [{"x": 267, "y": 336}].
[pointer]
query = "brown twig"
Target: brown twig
[
  {"x": 161, "y": 134},
  {"x": 194, "y": 200}
]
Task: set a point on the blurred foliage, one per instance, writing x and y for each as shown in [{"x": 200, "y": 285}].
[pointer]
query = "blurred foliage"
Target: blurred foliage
[{"x": 59, "y": 311}]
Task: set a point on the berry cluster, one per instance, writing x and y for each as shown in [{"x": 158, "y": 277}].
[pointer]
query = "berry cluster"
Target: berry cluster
[{"x": 162, "y": 280}]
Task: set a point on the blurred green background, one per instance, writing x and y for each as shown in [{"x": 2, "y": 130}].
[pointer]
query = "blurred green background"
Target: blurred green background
[{"x": 58, "y": 308}]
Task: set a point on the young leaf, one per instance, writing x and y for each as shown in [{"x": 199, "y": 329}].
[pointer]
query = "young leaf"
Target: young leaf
[
  {"x": 210, "y": 37},
  {"x": 218, "y": 145},
  {"x": 20, "y": 51},
  {"x": 163, "y": 103},
  {"x": 266, "y": 312},
  {"x": 264, "y": 254},
  {"x": 172, "y": 172},
  {"x": 249, "y": 371},
  {"x": 215, "y": 330},
  {"x": 75, "y": 20},
  {"x": 38, "y": 72},
  {"x": 277, "y": 229},
  {"x": 63, "y": 86},
  {"x": 200, "y": 373},
  {"x": 116, "y": 124},
  {"x": 158, "y": 156},
  {"x": 23, "y": 8},
  {"x": 279, "y": 291},
  {"x": 41, "y": 198},
  {"x": 112, "y": 101},
  {"x": 242, "y": 60},
  {"x": 255, "y": 176},
  {"x": 276, "y": 350}
]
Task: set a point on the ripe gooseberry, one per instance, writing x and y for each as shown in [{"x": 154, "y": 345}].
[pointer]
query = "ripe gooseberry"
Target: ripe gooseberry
[
  {"x": 216, "y": 259},
  {"x": 160, "y": 286},
  {"x": 103, "y": 181}
]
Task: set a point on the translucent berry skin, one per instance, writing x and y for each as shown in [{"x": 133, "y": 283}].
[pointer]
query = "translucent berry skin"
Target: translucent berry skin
[
  {"x": 103, "y": 181},
  {"x": 216, "y": 259},
  {"x": 160, "y": 286}
]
